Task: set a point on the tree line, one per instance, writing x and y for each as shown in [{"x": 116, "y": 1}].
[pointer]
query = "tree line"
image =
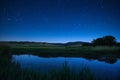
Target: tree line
[{"x": 104, "y": 41}]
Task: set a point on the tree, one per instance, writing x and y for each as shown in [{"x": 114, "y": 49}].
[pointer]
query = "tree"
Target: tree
[
  {"x": 98, "y": 41},
  {"x": 106, "y": 40},
  {"x": 109, "y": 40}
]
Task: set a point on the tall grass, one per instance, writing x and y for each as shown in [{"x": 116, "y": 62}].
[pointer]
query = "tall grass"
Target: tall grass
[{"x": 13, "y": 72}]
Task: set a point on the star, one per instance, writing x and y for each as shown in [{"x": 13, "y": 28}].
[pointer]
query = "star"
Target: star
[
  {"x": 9, "y": 19},
  {"x": 4, "y": 9},
  {"x": 79, "y": 24},
  {"x": 102, "y": 6},
  {"x": 16, "y": 20}
]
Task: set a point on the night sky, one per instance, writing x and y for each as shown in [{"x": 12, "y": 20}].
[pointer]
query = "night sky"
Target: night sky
[{"x": 59, "y": 20}]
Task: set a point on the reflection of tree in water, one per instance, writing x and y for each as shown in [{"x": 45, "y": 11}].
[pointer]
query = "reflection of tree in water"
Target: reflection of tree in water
[{"x": 108, "y": 59}]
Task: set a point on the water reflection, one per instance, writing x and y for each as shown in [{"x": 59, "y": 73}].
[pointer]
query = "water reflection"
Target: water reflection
[
  {"x": 108, "y": 59},
  {"x": 101, "y": 67}
]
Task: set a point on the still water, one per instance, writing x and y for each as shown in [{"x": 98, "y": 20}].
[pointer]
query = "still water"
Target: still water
[{"x": 100, "y": 68}]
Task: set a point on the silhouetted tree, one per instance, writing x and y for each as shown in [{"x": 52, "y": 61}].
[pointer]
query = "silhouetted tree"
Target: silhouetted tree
[
  {"x": 117, "y": 44},
  {"x": 109, "y": 40},
  {"x": 106, "y": 40},
  {"x": 86, "y": 44},
  {"x": 98, "y": 41}
]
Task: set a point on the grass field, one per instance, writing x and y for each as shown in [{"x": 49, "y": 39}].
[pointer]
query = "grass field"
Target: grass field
[{"x": 89, "y": 51}]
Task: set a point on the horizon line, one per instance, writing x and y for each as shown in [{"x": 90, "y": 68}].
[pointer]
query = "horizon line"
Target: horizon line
[{"x": 41, "y": 41}]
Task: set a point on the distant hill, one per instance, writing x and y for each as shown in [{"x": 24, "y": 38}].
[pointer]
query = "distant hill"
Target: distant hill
[
  {"x": 76, "y": 43},
  {"x": 27, "y": 43}
]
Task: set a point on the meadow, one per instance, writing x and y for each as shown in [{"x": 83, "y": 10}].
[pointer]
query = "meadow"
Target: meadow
[
  {"x": 11, "y": 71},
  {"x": 69, "y": 51}
]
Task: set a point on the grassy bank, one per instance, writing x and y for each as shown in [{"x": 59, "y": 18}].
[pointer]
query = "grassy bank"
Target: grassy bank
[
  {"x": 68, "y": 49},
  {"x": 83, "y": 51}
]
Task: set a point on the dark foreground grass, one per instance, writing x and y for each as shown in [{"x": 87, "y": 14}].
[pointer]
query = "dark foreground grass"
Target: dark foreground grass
[{"x": 13, "y": 72}]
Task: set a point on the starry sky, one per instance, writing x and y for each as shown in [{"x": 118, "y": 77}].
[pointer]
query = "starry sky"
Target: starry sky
[{"x": 59, "y": 20}]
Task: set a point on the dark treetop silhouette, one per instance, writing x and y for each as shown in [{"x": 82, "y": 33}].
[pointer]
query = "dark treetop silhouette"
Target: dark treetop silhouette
[{"x": 106, "y": 40}]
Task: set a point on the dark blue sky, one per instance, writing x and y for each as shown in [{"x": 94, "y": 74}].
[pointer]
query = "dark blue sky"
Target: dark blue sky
[{"x": 59, "y": 20}]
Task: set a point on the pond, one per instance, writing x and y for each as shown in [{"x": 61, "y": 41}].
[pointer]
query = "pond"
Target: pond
[{"x": 99, "y": 67}]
